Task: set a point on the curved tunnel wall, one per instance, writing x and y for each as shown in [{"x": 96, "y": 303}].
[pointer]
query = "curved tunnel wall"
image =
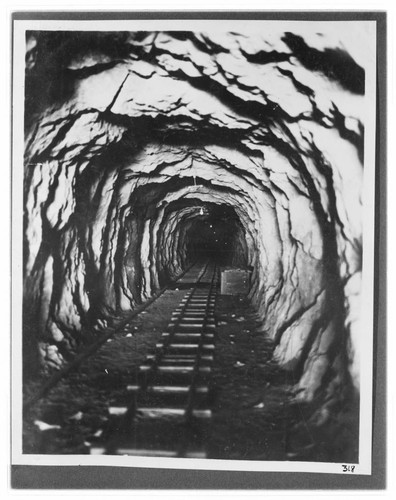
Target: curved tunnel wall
[{"x": 131, "y": 136}]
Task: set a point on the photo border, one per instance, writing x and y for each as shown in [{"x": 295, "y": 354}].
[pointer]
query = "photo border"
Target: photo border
[{"x": 72, "y": 477}]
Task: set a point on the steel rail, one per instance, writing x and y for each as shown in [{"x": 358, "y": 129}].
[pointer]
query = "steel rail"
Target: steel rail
[{"x": 183, "y": 360}]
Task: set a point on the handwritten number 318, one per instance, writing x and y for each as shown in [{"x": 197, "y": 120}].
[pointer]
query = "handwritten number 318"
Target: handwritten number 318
[{"x": 348, "y": 468}]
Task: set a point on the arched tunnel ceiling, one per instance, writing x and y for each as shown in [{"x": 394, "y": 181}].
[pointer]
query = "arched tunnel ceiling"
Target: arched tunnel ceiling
[{"x": 132, "y": 135}]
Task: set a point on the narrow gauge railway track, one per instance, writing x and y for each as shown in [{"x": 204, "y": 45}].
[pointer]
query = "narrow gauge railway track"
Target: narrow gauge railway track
[{"x": 166, "y": 408}]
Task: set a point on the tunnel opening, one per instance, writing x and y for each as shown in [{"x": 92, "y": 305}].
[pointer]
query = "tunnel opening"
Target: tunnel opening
[{"x": 216, "y": 235}]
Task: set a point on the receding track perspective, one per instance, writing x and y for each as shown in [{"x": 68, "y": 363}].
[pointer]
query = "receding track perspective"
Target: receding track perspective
[{"x": 170, "y": 394}]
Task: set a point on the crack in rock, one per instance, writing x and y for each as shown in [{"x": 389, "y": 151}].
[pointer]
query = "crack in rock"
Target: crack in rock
[{"x": 163, "y": 145}]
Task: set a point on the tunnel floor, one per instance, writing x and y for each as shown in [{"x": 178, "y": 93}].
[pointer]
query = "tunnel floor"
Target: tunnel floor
[{"x": 254, "y": 413}]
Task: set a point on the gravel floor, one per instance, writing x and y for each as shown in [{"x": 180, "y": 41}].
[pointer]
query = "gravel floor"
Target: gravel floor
[{"x": 254, "y": 417}]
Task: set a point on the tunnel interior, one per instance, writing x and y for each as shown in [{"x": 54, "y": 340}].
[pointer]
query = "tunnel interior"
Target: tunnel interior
[
  {"x": 216, "y": 235},
  {"x": 160, "y": 149}
]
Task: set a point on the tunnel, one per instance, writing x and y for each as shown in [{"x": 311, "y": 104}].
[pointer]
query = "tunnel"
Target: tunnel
[{"x": 147, "y": 152}]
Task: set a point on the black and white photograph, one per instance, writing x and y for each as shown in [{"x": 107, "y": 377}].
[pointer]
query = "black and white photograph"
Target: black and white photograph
[{"x": 193, "y": 243}]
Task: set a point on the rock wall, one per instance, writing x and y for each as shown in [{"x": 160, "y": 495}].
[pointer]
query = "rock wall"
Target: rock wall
[{"x": 134, "y": 140}]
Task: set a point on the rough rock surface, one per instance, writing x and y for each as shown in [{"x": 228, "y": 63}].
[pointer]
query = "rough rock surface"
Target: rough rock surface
[{"x": 136, "y": 142}]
